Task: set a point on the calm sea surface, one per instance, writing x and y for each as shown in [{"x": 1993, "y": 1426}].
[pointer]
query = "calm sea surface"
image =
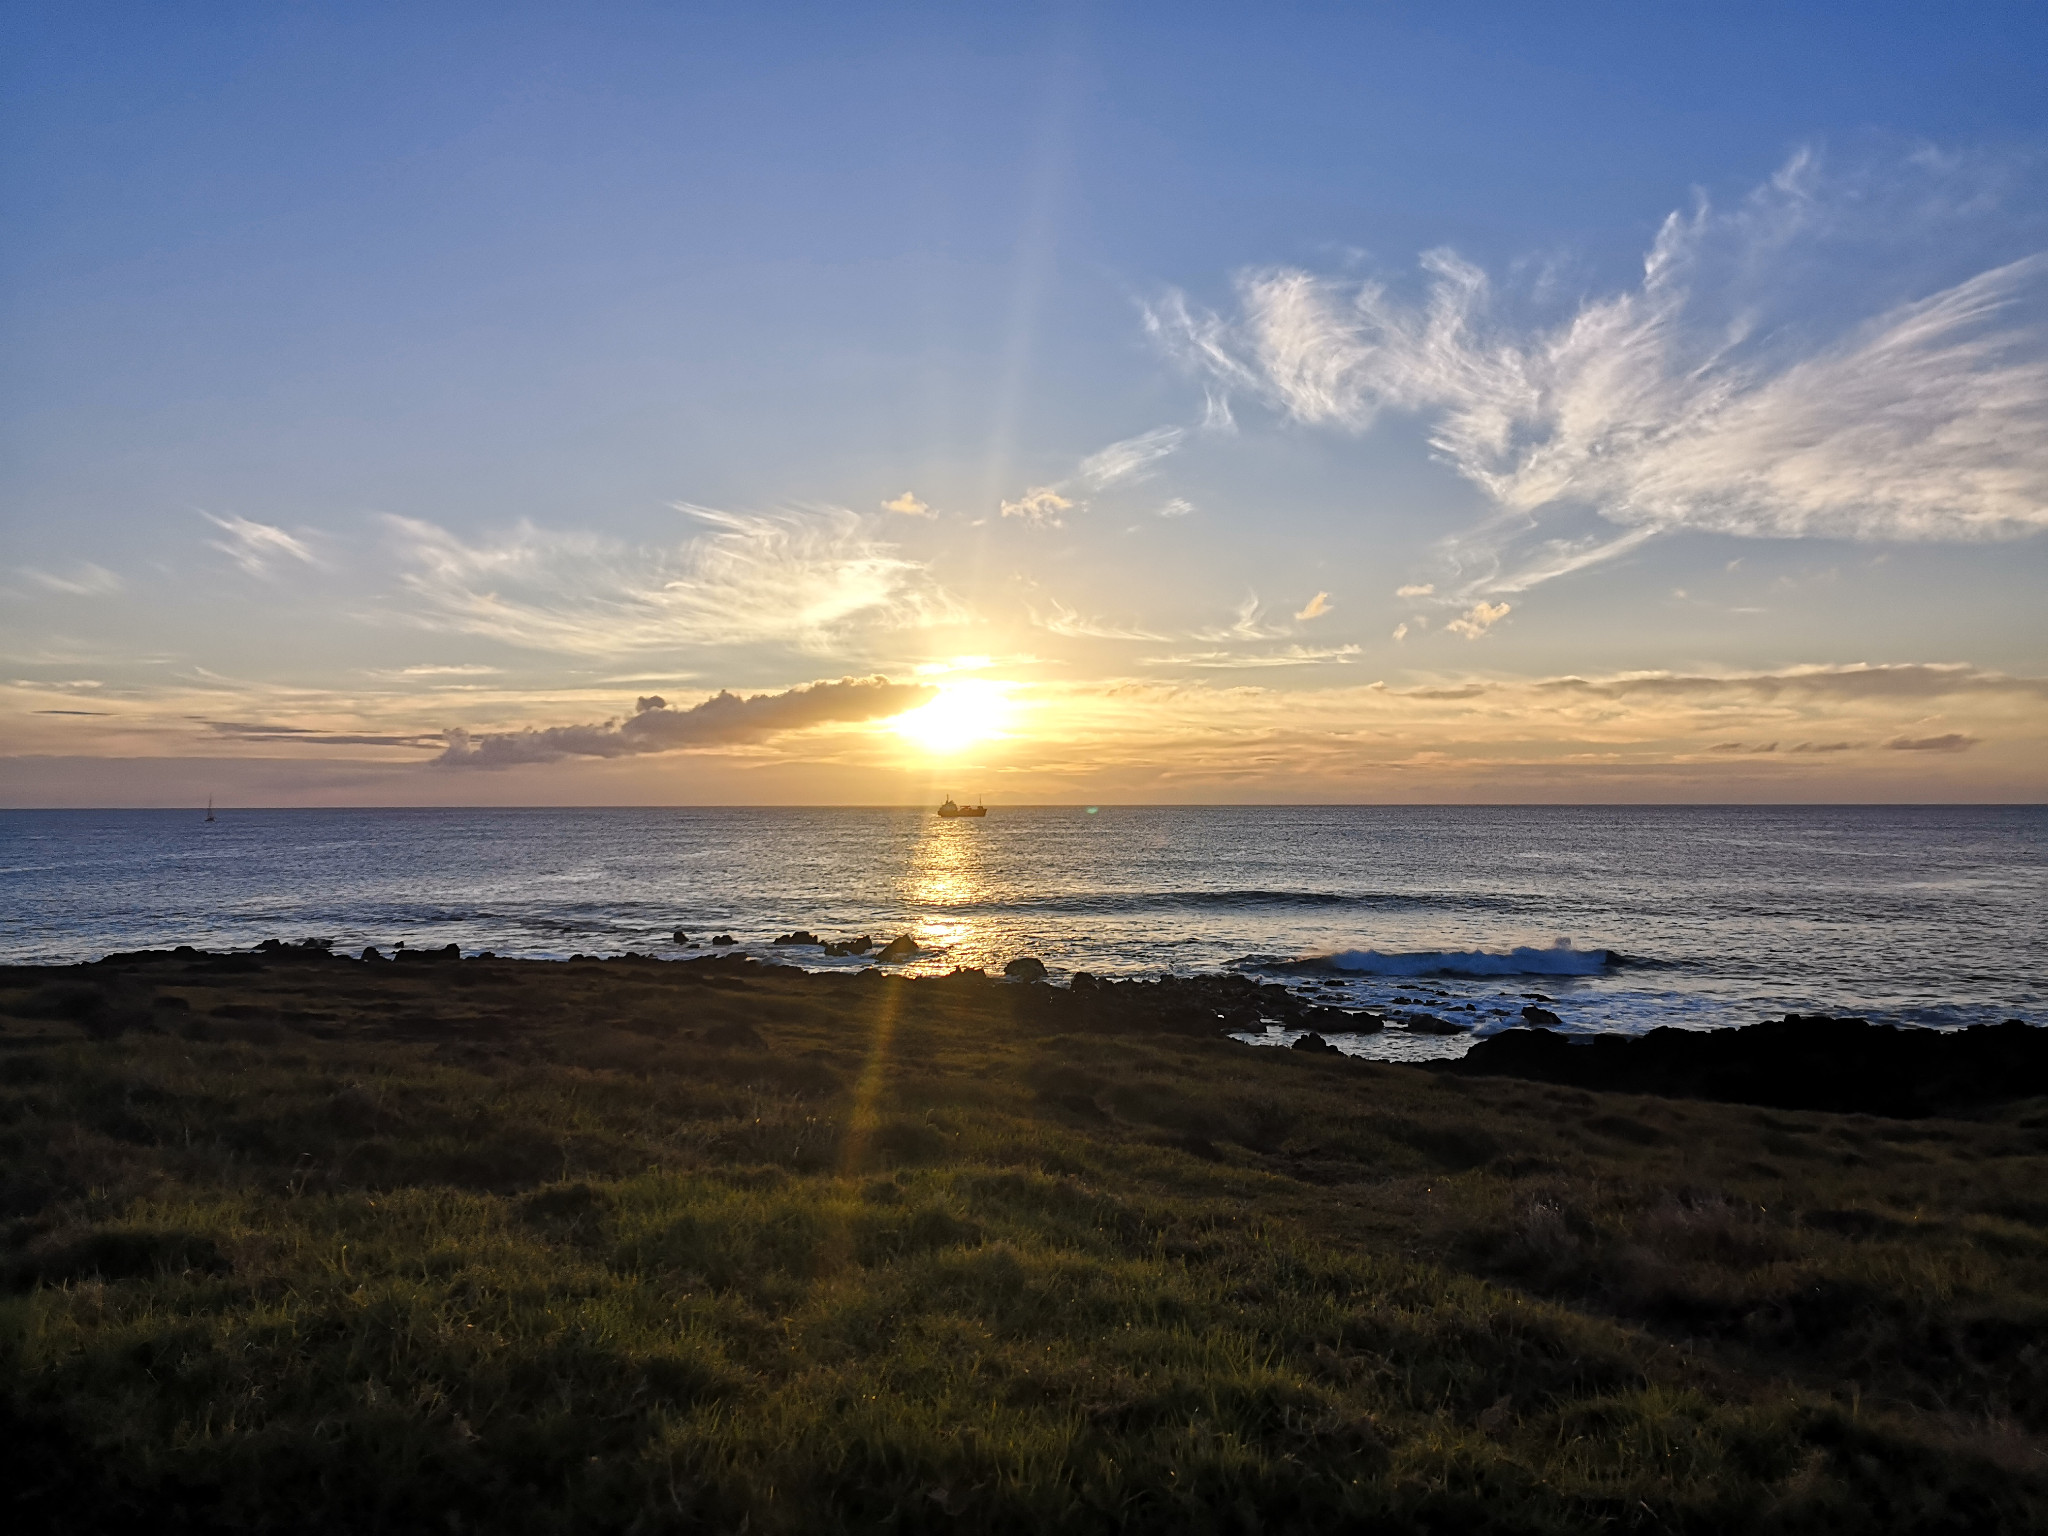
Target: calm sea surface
[{"x": 1718, "y": 916}]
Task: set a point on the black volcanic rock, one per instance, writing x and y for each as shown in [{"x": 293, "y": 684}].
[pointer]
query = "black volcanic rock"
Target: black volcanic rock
[
  {"x": 1025, "y": 968},
  {"x": 1846, "y": 1066},
  {"x": 897, "y": 950},
  {"x": 1430, "y": 1024},
  {"x": 801, "y": 936},
  {"x": 1339, "y": 1021},
  {"x": 1315, "y": 1042},
  {"x": 1540, "y": 1018}
]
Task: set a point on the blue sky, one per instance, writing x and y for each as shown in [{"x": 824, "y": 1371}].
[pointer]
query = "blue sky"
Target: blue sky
[{"x": 379, "y": 374}]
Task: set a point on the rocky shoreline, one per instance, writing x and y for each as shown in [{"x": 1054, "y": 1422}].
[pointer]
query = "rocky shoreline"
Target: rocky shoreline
[
  {"x": 460, "y": 1243},
  {"x": 1813, "y": 1062}
]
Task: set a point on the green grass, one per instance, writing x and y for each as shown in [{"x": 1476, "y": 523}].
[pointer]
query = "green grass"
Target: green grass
[{"x": 556, "y": 1248}]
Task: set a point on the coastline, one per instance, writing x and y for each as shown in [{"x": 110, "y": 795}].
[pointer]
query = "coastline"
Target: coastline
[
  {"x": 1923, "y": 917},
  {"x": 1839, "y": 1062},
  {"x": 526, "y": 1246}
]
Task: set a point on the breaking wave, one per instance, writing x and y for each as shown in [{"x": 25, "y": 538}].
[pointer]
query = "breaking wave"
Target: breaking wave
[{"x": 1558, "y": 960}]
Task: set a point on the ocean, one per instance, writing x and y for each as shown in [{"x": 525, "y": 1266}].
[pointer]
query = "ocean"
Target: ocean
[{"x": 1610, "y": 918}]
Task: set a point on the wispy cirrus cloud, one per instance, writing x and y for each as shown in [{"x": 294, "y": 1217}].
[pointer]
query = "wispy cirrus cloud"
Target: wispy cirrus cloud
[
  {"x": 801, "y": 580},
  {"x": 1073, "y": 625},
  {"x": 1905, "y": 681},
  {"x": 1130, "y": 459},
  {"x": 1249, "y": 624},
  {"x": 1695, "y": 400},
  {"x": 1231, "y": 661},
  {"x": 81, "y": 579},
  {"x": 258, "y": 548},
  {"x": 723, "y": 720}
]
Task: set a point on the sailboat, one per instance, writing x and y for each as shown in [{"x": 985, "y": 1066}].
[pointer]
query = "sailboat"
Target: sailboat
[
  {"x": 209, "y": 809},
  {"x": 949, "y": 809}
]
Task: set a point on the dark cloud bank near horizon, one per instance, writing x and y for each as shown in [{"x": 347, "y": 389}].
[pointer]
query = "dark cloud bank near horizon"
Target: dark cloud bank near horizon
[{"x": 725, "y": 719}]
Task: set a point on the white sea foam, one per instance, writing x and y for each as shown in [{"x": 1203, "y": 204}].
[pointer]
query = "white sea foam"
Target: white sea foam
[{"x": 1559, "y": 960}]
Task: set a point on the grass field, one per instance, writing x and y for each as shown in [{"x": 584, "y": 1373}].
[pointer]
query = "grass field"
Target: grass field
[{"x": 320, "y": 1245}]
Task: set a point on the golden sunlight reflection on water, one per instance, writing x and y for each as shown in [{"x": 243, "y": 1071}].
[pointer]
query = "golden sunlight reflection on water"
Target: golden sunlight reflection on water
[{"x": 949, "y": 869}]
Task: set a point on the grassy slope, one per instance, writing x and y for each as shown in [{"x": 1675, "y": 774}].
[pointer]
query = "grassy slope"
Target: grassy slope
[{"x": 521, "y": 1247}]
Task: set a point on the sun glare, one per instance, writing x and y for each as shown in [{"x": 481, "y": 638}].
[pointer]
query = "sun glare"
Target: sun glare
[{"x": 964, "y": 714}]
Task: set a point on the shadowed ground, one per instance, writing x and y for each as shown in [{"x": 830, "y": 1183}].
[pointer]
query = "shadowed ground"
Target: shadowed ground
[{"x": 299, "y": 1242}]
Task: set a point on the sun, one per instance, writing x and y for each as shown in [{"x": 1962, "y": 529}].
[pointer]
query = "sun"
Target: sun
[{"x": 964, "y": 714}]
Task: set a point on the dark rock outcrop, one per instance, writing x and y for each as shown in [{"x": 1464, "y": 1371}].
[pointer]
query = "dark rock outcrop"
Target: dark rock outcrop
[
  {"x": 1430, "y": 1024},
  {"x": 1315, "y": 1042},
  {"x": 897, "y": 950},
  {"x": 1025, "y": 968},
  {"x": 1846, "y": 1066},
  {"x": 801, "y": 936},
  {"x": 1194, "y": 1005},
  {"x": 1540, "y": 1018},
  {"x": 720, "y": 940},
  {"x": 1339, "y": 1021}
]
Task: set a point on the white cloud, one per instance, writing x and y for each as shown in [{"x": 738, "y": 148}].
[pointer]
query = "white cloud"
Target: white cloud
[
  {"x": 1067, "y": 622},
  {"x": 1478, "y": 619},
  {"x": 1700, "y": 398},
  {"x": 1289, "y": 656},
  {"x": 908, "y": 505},
  {"x": 1041, "y": 507},
  {"x": 1316, "y": 607},
  {"x": 1246, "y": 626},
  {"x": 1426, "y": 589},
  {"x": 802, "y": 581},
  {"x": 1131, "y": 458},
  {"x": 84, "y": 580},
  {"x": 257, "y": 547}
]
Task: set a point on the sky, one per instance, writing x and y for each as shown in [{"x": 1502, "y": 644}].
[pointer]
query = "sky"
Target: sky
[{"x": 656, "y": 404}]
